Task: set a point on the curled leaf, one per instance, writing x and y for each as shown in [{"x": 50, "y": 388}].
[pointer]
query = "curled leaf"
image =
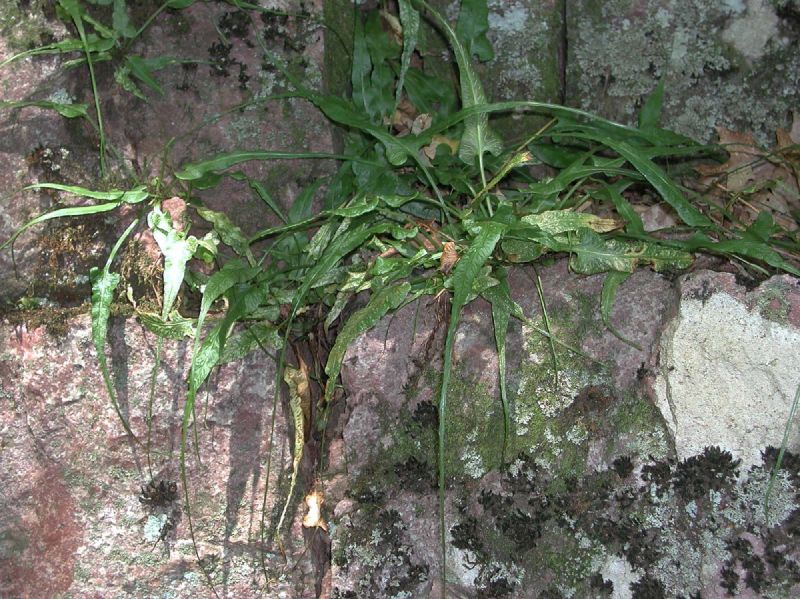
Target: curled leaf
[
  {"x": 449, "y": 257},
  {"x": 313, "y": 518}
]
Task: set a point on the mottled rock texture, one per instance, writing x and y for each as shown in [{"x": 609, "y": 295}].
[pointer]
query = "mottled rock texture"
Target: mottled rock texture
[
  {"x": 225, "y": 67},
  {"x": 729, "y": 364},
  {"x": 72, "y": 522},
  {"x": 733, "y": 64},
  {"x": 591, "y": 495}
]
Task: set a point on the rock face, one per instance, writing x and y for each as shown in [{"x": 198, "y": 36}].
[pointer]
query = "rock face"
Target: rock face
[
  {"x": 729, "y": 365},
  {"x": 591, "y": 497},
  {"x": 593, "y": 493},
  {"x": 623, "y": 471},
  {"x": 717, "y": 60},
  {"x": 78, "y": 518}
]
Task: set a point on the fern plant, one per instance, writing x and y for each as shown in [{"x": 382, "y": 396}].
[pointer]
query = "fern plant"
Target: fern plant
[{"x": 427, "y": 200}]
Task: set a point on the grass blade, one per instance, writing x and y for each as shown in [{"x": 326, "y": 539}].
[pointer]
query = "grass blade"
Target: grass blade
[
  {"x": 611, "y": 284},
  {"x": 73, "y": 10},
  {"x": 409, "y": 18},
  {"x": 500, "y": 298},
  {"x": 104, "y": 283},
  {"x": 781, "y": 452}
]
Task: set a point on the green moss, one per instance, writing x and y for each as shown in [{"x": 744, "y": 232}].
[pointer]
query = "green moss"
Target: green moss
[
  {"x": 23, "y": 24},
  {"x": 772, "y": 303},
  {"x": 571, "y": 557},
  {"x": 474, "y": 429}
]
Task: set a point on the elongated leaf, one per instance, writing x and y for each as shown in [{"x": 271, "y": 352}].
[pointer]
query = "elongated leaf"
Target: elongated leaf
[
  {"x": 650, "y": 114},
  {"x": 342, "y": 298},
  {"x": 340, "y": 247},
  {"x": 364, "y": 319},
  {"x": 122, "y": 75},
  {"x": 265, "y": 197},
  {"x": 69, "y": 111},
  {"x": 340, "y": 111},
  {"x": 362, "y": 67},
  {"x": 297, "y": 381},
  {"x": 142, "y": 70},
  {"x": 232, "y": 272},
  {"x": 383, "y": 50},
  {"x": 253, "y": 337},
  {"x": 93, "y": 43},
  {"x": 656, "y": 177},
  {"x": 132, "y": 196},
  {"x": 748, "y": 248},
  {"x": 198, "y": 170},
  {"x": 500, "y": 298},
  {"x": 611, "y": 284},
  {"x": 357, "y": 208},
  {"x": 409, "y": 18},
  {"x": 593, "y": 254},
  {"x": 320, "y": 240},
  {"x": 206, "y": 355},
  {"x": 104, "y": 282},
  {"x": 61, "y": 212},
  {"x": 204, "y": 359},
  {"x": 663, "y": 184},
  {"x": 302, "y": 207},
  {"x": 478, "y": 138},
  {"x": 520, "y": 250},
  {"x": 471, "y": 29},
  {"x": 613, "y": 193},
  {"x": 560, "y": 221},
  {"x": 175, "y": 327},
  {"x": 121, "y": 20},
  {"x": 103, "y": 285},
  {"x": 112, "y": 200}
]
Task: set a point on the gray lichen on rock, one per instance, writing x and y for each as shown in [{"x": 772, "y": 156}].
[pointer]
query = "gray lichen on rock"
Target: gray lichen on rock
[{"x": 717, "y": 60}]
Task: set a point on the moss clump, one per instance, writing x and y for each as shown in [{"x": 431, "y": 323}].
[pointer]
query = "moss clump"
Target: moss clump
[{"x": 25, "y": 24}]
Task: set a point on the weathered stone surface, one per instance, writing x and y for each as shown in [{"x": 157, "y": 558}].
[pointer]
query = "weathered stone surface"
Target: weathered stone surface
[
  {"x": 196, "y": 115},
  {"x": 72, "y": 524},
  {"x": 527, "y": 42},
  {"x": 526, "y": 37},
  {"x": 592, "y": 494},
  {"x": 729, "y": 365},
  {"x": 733, "y": 64}
]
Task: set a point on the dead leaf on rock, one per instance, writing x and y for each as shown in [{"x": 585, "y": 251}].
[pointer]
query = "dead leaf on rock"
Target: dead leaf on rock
[
  {"x": 738, "y": 170},
  {"x": 313, "y": 518},
  {"x": 408, "y": 120},
  {"x": 449, "y": 257},
  {"x": 754, "y": 179},
  {"x": 436, "y": 141}
]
